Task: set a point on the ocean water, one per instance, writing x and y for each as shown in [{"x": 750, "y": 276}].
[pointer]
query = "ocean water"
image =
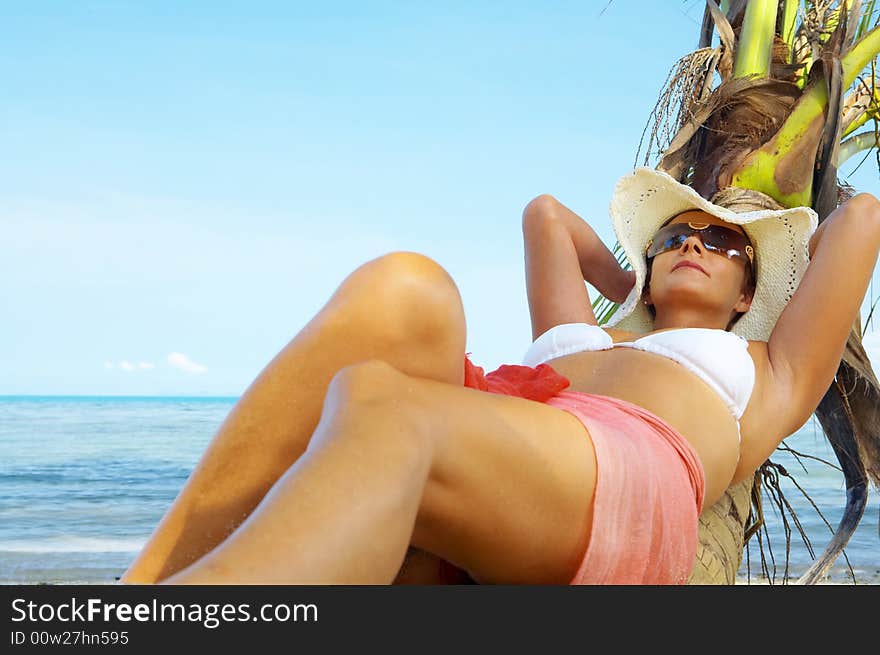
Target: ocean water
[{"x": 84, "y": 480}]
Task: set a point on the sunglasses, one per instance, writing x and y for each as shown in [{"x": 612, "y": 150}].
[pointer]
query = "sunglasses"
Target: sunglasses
[{"x": 715, "y": 238}]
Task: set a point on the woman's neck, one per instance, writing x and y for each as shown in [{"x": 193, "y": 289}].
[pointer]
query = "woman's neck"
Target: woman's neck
[{"x": 685, "y": 317}]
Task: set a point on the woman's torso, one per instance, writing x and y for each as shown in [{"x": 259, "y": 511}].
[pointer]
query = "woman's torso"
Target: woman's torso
[{"x": 666, "y": 388}]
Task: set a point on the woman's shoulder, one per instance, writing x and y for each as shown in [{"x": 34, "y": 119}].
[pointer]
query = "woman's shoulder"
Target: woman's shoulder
[{"x": 767, "y": 417}]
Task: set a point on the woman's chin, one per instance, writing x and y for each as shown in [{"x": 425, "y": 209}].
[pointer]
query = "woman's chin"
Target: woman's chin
[{"x": 686, "y": 297}]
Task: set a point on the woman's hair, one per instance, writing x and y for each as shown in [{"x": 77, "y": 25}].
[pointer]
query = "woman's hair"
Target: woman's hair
[{"x": 748, "y": 283}]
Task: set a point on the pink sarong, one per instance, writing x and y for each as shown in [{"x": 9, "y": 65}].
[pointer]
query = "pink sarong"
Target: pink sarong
[{"x": 649, "y": 487}]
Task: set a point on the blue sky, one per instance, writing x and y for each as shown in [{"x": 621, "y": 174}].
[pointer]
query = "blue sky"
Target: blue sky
[{"x": 185, "y": 184}]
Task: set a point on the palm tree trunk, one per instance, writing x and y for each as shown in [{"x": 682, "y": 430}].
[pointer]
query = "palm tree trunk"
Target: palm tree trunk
[{"x": 722, "y": 537}]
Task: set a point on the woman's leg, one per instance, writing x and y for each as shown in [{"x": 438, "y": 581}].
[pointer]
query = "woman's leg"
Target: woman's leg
[
  {"x": 402, "y": 308},
  {"x": 498, "y": 485}
]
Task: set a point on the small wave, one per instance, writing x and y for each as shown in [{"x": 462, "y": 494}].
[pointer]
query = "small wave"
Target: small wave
[{"x": 72, "y": 545}]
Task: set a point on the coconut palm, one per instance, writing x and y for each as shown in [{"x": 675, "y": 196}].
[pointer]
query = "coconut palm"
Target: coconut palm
[{"x": 785, "y": 98}]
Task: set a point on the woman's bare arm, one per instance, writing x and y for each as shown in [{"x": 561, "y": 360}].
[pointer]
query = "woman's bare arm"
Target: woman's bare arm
[
  {"x": 809, "y": 338},
  {"x": 562, "y": 251}
]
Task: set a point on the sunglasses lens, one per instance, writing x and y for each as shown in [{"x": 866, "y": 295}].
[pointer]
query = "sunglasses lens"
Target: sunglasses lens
[
  {"x": 716, "y": 238},
  {"x": 725, "y": 241},
  {"x": 669, "y": 238}
]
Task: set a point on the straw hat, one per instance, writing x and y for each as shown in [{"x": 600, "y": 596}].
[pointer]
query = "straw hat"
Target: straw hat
[{"x": 646, "y": 198}]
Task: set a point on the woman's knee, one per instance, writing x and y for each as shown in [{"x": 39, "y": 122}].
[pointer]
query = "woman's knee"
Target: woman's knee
[
  {"x": 409, "y": 297},
  {"x": 371, "y": 381},
  {"x": 375, "y": 394}
]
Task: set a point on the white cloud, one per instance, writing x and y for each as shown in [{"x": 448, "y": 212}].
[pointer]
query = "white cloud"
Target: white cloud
[
  {"x": 146, "y": 365},
  {"x": 184, "y": 363},
  {"x": 126, "y": 366}
]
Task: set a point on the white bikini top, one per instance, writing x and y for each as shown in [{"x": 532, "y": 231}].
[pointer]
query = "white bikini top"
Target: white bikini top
[{"x": 719, "y": 358}]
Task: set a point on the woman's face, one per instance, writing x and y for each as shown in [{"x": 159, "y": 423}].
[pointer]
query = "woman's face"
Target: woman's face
[{"x": 696, "y": 278}]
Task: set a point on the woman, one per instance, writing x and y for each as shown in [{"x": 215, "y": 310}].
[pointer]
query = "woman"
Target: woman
[{"x": 363, "y": 453}]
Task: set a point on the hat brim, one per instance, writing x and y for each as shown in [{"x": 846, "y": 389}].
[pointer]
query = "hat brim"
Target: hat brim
[{"x": 644, "y": 199}]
